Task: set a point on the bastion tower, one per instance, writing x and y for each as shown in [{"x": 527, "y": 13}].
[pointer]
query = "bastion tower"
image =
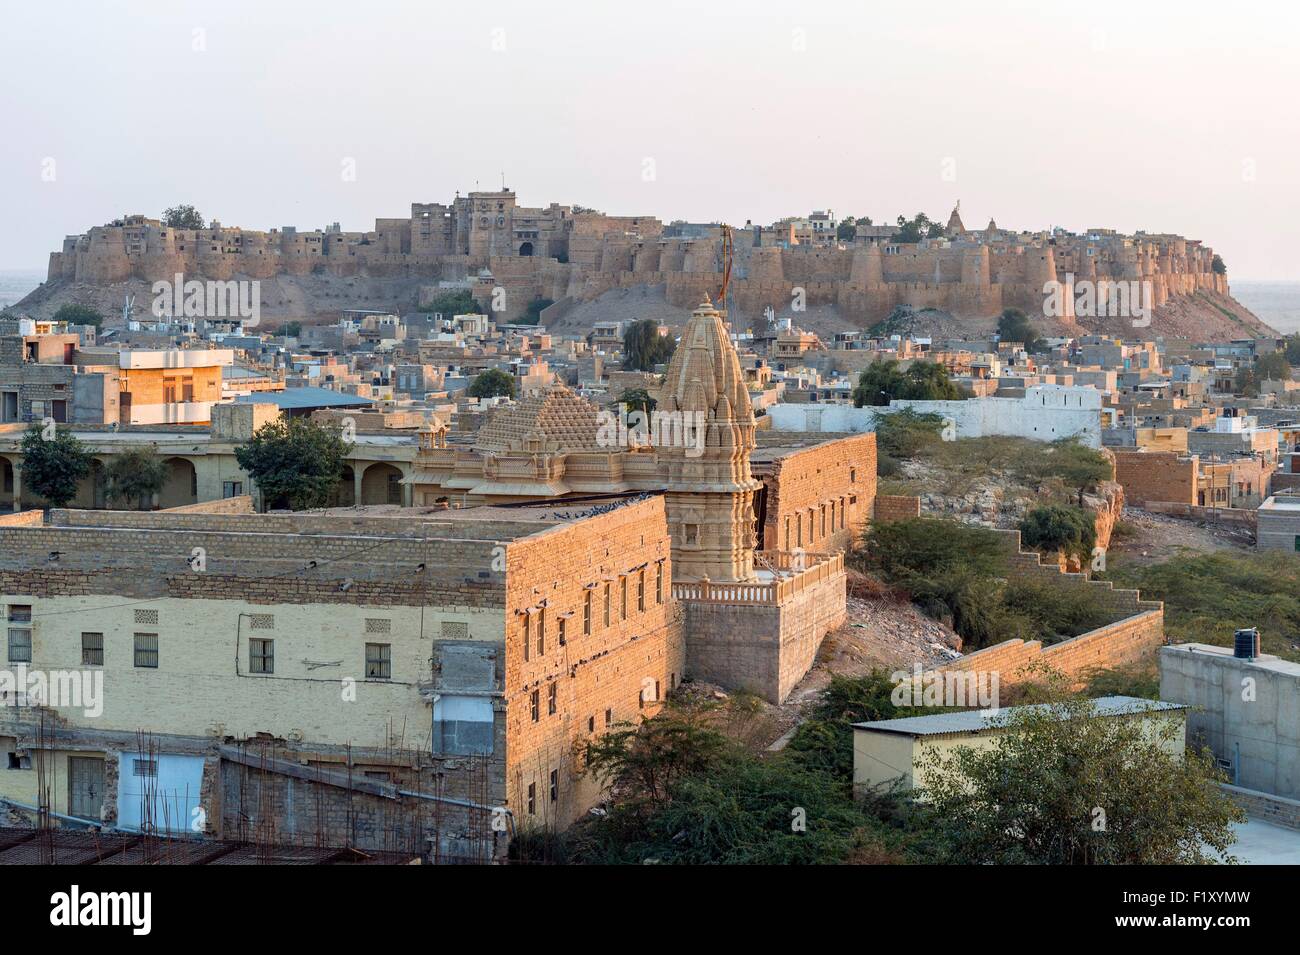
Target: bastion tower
[{"x": 710, "y": 489}]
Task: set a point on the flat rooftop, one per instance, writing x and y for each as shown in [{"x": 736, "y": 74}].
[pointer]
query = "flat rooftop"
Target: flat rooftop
[
  {"x": 1265, "y": 661},
  {"x": 1281, "y": 503},
  {"x": 970, "y": 722}
]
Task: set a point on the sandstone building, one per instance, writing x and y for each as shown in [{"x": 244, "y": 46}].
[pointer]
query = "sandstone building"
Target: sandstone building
[
  {"x": 569, "y": 255},
  {"x": 407, "y": 679}
]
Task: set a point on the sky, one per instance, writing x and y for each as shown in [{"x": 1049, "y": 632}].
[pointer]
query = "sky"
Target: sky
[{"x": 1168, "y": 117}]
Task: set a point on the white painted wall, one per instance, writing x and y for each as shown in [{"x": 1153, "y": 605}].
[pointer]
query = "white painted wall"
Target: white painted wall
[{"x": 1046, "y": 413}]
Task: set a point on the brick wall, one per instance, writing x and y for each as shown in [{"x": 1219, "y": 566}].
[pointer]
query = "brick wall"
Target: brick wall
[
  {"x": 1278, "y": 810},
  {"x": 626, "y": 668},
  {"x": 896, "y": 507},
  {"x": 240, "y": 504},
  {"x": 1135, "y": 632},
  {"x": 1156, "y": 476},
  {"x": 820, "y": 498}
]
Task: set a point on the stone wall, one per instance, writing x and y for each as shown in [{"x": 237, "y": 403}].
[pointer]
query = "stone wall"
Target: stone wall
[
  {"x": 1156, "y": 476},
  {"x": 819, "y": 498},
  {"x": 1135, "y": 633},
  {"x": 896, "y": 507},
  {"x": 239, "y": 504},
  {"x": 619, "y": 672},
  {"x": 762, "y": 648}
]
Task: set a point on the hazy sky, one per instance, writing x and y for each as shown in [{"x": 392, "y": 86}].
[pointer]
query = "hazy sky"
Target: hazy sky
[{"x": 1175, "y": 117}]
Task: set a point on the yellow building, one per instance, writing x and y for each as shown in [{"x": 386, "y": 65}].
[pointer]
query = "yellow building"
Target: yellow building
[{"x": 889, "y": 752}]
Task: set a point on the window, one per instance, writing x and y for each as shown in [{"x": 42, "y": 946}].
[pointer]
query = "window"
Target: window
[
  {"x": 144, "y": 767},
  {"x": 535, "y": 705},
  {"x": 379, "y": 661},
  {"x": 640, "y": 591},
  {"x": 591, "y": 720},
  {"x": 586, "y": 614},
  {"x": 148, "y": 617},
  {"x": 261, "y": 656},
  {"x": 555, "y": 785},
  {"x": 462, "y": 725},
  {"x": 607, "y": 605},
  {"x": 92, "y": 649},
  {"x": 564, "y": 626},
  {"x": 609, "y": 717},
  {"x": 20, "y": 613},
  {"x": 232, "y": 488},
  {"x": 20, "y": 645},
  {"x": 659, "y": 582},
  {"x": 551, "y": 698},
  {"x": 622, "y": 590},
  {"x": 146, "y": 650},
  {"x": 541, "y": 633},
  {"x": 532, "y": 798}
]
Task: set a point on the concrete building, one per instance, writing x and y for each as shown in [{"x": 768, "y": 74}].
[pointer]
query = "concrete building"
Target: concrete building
[
  {"x": 1279, "y": 524},
  {"x": 1247, "y": 711},
  {"x": 889, "y": 752}
]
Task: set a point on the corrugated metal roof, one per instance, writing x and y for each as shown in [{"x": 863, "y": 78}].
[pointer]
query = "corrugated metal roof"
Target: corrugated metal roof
[{"x": 974, "y": 721}]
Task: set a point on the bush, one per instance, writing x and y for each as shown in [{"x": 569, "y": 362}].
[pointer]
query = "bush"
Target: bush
[
  {"x": 904, "y": 434},
  {"x": 493, "y": 383},
  {"x": 960, "y": 574},
  {"x": 1060, "y": 528},
  {"x": 75, "y": 314}
]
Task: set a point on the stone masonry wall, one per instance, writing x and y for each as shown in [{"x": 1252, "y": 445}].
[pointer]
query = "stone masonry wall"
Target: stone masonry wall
[
  {"x": 820, "y": 498},
  {"x": 620, "y": 672},
  {"x": 1156, "y": 476},
  {"x": 896, "y": 507}
]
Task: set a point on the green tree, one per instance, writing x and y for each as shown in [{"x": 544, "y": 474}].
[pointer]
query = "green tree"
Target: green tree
[
  {"x": 53, "y": 467},
  {"x": 882, "y": 381},
  {"x": 917, "y": 228},
  {"x": 1291, "y": 349},
  {"x": 1062, "y": 786},
  {"x": 847, "y": 229},
  {"x": 1060, "y": 527},
  {"x": 459, "y": 302},
  {"x": 533, "y": 314},
  {"x": 641, "y": 763},
  {"x": 183, "y": 217},
  {"x": 637, "y": 399},
  {"x": 644, "y": 347},
  {"x": 75, "y": 314},
  {"x": 295, "y": 462},
  {"x": 1273, "y": 367},
  {"x": 291, "y": 329},
  {"x": 1217, "y": 266},
  {"x": 493, "y": 383},
  {"x": 135, "y": 476},
  {"x": 1014, "y": 326}
]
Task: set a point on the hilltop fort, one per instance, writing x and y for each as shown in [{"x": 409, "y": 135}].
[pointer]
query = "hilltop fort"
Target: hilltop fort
[{"x": 573, "y": 257}]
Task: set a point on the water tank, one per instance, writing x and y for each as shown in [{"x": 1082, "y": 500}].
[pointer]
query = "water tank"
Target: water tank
[{"x": 1245, "y": 644}]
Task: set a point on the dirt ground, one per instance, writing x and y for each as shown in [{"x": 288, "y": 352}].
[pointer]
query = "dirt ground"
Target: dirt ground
[{"x": 1149, "y": 538}]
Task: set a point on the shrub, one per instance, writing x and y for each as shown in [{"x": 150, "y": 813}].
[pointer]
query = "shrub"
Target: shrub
[{"x": 1060, "y": 527}]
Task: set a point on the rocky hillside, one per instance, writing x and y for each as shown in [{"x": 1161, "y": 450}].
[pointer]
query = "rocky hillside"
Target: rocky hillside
[{"x": 320, "y": 298}]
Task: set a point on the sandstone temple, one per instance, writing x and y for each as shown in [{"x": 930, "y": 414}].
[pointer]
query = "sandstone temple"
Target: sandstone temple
[{"x": 758, "y": 533}]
